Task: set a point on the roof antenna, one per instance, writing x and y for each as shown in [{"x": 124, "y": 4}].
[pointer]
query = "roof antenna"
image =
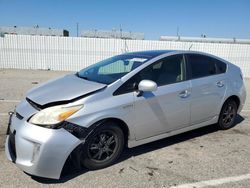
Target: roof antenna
[{"x": 190, "y": 47}]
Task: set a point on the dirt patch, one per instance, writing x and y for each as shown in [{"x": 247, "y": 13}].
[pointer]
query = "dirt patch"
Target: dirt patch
[
  {"x": 236, "y": 131},
  {"x": 2, "y": 140}
]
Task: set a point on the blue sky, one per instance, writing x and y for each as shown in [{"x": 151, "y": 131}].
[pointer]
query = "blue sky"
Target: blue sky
[{"x": 215, "y": 18}]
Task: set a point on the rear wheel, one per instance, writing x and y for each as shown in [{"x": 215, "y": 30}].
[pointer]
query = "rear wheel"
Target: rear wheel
[
  {"x": 228, "y": 115},
  {"x": 103, "y": 146}
]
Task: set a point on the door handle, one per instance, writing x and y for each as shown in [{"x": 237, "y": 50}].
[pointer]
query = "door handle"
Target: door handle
[
  {"x": 184, "y": 94},
  {"x": 220, "y": 84}
]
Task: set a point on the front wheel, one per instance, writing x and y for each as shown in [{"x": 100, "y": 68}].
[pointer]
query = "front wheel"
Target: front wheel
[
  {"x": 228, "y": 115},
  {"x": 103, "y": 146}
]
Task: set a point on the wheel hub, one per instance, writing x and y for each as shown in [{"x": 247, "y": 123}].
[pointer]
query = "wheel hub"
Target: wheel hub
[
  {"x": 102, "y": 146},
  {"x": 228, "y": 115}
]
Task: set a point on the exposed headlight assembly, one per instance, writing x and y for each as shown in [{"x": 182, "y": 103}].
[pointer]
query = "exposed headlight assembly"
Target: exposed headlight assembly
[{"x": 54, "y": 115}]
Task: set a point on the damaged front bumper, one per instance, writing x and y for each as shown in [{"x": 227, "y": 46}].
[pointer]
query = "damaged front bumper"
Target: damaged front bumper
[{"x": 37, "y": 150}]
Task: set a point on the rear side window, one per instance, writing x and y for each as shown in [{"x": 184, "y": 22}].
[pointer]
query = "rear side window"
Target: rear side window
[
  {"x": 221, "y": 67},
  {"x": 202, "y": 66}
]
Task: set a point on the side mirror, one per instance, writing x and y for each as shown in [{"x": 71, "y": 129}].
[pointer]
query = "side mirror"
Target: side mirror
[{"x": 147, "y": 85}]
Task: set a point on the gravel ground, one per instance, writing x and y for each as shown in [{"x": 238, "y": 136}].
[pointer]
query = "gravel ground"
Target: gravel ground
[{"x": 199, "y": 155}]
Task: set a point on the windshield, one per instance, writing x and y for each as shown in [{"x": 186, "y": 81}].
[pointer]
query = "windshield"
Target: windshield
[{"x": 112, "y": 69}]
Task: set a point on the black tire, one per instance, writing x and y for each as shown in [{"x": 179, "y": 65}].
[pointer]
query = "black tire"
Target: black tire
[
  {"x": 103, "y": 147},
  {"x": 227, "y": 115}
]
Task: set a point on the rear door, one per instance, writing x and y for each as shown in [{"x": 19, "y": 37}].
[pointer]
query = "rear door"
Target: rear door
[{"x": 208, "y": 86}]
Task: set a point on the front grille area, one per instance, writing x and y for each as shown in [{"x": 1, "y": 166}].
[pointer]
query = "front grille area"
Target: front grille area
[{"x": 12, "y": 146}]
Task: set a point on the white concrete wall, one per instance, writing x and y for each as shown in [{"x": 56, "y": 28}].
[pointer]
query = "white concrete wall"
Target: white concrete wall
[{"x": 71, "y": 53}]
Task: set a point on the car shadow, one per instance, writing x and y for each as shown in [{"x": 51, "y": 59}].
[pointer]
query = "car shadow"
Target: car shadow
[{"x": 70, "y": 173}]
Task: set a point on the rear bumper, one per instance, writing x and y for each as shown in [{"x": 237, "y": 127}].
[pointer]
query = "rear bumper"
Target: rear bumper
[
  {"x": 39, "y": 151},
  {"x": 243, "y": 96}
]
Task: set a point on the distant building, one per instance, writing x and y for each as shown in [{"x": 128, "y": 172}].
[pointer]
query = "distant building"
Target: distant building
[
  {"x": 204, "y": 39},
  {"x": 33, "y": 31},
  {"x": 117, "y": 34}
]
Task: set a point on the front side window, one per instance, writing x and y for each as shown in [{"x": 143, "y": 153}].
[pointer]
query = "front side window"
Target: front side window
[
  {"x": 112, "y": 69},
  {"x": 166, "y": 71},
  {"x": 169, "y": 70}
]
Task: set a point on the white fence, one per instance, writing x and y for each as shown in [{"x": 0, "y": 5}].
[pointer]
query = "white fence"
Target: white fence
[{"x": 71, "y": 53}]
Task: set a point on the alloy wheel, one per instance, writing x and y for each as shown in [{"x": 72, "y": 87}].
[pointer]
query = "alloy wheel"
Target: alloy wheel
[
  {"x": 103, "y": 146},
  {"x": 228, "y": 115}
]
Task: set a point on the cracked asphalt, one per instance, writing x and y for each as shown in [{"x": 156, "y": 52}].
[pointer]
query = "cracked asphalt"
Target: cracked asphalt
[{"x": 198, "y": 155}]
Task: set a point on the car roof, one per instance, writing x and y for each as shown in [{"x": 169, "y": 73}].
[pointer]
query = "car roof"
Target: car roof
[
  {"x": 150, "y": 53},
  {"x": 154, "y": 53}
]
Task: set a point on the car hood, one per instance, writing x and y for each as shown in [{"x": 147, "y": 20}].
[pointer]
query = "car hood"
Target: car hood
[{"x": 62, "y": 90}]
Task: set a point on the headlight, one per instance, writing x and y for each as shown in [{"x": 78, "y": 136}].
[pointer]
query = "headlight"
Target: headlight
[{"x": 54, "y": 115}]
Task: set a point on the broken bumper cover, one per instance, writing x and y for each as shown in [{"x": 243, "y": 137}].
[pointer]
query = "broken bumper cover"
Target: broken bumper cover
[{"x": 37, "y": 150}]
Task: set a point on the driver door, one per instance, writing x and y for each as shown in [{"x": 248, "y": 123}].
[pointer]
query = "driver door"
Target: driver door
[{"x": 167, "y": 108}]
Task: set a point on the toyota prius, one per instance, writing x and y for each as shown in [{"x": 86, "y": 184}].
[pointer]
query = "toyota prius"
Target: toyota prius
[{"x": 124, "y": 101}]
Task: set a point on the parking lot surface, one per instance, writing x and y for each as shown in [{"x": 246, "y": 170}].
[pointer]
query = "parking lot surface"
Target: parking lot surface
[{"x": 200, "y": 158}]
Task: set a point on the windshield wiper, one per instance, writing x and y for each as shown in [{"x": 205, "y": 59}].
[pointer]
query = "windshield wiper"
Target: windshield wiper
[
  {"x": 83, "y": 77},
  {"x": 90, "y": 79}
]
